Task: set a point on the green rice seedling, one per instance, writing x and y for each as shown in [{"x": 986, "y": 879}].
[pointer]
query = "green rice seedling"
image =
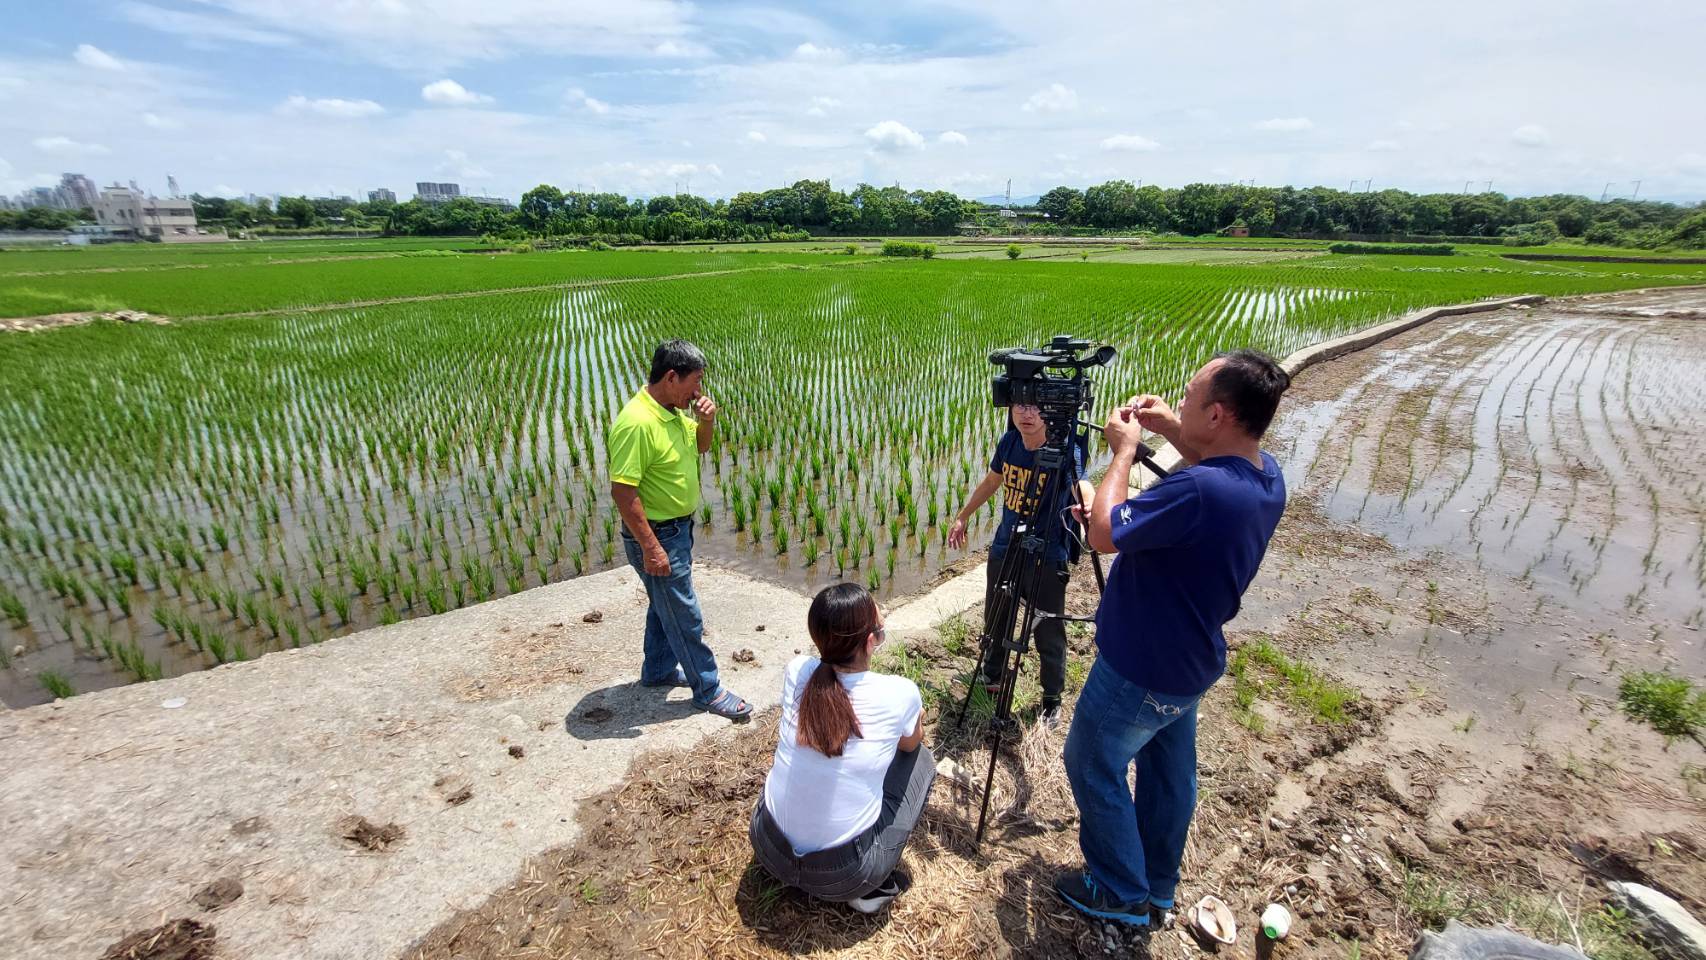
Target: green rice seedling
[
  {"x": 251, "y": 610},
  {"x": 341, "y": 604},
  {"x": 270, "y": 617},
  {"x": 13, "y": 608},
  {"x": 388, "y": 615},
  {"x": 317, "y": 593},
  {"x": 56, "y": 684},
  {"x": 435, "y": 599},
  {"x": 124, "y": 565}
]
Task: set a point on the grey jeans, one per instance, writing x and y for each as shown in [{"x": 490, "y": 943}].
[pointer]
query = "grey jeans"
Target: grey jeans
[{"x": 845, "y": 872}]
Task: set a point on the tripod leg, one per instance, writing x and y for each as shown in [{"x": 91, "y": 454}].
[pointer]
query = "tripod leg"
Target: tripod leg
[{"x": 999, "y": 724}]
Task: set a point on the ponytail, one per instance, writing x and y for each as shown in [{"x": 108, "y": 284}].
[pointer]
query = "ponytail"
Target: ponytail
[{"x": 840, "y": 619}]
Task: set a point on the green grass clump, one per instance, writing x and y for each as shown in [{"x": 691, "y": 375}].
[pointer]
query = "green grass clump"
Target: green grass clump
[
  {"x": 1670, "y": 704},
  {"x": 1258, "y": 667}
]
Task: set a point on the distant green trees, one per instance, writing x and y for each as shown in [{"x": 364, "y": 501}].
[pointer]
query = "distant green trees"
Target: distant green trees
[
  {"x": 38, "y": 218},
  {"x": 1204, "y": 208},
  {"x": 814, "y": 208}
]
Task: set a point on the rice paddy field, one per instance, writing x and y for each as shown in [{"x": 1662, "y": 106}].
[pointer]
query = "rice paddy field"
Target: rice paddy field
[{"x": 333, "y": 435}]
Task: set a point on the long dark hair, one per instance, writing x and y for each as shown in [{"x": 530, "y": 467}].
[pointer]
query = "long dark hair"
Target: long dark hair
[{"x": 841, "y": 617}]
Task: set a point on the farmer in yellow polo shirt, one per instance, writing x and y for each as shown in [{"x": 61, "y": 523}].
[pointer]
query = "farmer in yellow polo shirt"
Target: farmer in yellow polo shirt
[{"x": 655, "y": 445}]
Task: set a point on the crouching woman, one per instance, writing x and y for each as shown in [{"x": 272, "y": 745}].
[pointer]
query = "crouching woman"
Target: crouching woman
[{"x": 851, "y": 772}]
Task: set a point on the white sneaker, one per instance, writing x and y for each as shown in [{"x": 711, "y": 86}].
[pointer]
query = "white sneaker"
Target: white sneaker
[{"x": 874, "y": 900}]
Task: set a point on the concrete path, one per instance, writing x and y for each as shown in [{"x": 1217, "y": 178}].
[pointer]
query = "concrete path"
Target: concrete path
[{"x": 118, "y": 809}]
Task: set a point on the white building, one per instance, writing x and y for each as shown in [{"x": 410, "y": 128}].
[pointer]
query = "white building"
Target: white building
[
  {"x": 127, "y": 212},
  {"x": 428, "y": 192},
  {"x": 381, "y": 195},
  {"x": 78, "y": 191}
]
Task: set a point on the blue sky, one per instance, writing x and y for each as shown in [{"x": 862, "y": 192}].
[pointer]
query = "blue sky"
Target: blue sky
[{"x": 339, "y": 96}]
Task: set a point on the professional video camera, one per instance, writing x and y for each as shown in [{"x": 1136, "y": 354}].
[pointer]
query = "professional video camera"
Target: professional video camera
[{"x": 1025, "y": 378}]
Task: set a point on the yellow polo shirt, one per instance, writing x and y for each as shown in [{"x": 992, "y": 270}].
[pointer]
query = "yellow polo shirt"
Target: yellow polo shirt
[{"x": 656, "y": 451}]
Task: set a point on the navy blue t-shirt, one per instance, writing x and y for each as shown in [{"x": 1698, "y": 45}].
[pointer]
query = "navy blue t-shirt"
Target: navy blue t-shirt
[
  {"x": 1188, "y": 548},
  {"x": 1015, "y": 464}
]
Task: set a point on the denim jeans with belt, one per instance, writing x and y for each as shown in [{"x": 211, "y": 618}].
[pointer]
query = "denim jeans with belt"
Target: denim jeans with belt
[
  {"x": 1133, "y": 844},
  {"x": 675, "y": 629}
]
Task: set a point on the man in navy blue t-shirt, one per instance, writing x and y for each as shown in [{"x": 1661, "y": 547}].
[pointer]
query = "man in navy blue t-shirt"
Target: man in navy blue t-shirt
[
  {"x": 1186, "y": 548},
  {"x": 1011, "y": 470}
]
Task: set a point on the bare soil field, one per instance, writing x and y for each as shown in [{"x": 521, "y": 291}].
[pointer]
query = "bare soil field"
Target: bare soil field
[{"x": 1492, "y": 518}]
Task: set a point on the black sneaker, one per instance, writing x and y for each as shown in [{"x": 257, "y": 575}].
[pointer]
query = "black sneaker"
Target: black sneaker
[
  {"x": 1080, "y": 890},
  {"x": 873, "y": 900}
]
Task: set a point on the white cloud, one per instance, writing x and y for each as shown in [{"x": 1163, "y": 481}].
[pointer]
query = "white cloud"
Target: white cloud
[
  {"x": 226, "y": 190},
  {"x": 1130, "y": 143},
  {"x": 821, "y": 106},
  {"x": 754, "y": 136},
  {"x": 679, "y": 48},
  {"x": 952, "y": 137},
  {"x": 1054, "y": 98},
  {"x": 892, "y": 136},
  {"x": 576, "y": 97},
  {"x": 811, "y": 51},
  {"x": 1530, "y": 135},
  {"x": 330, "y": 107},
  {"x": 67, "y": 147},
  {"x": 95, "y": 58},
  {"x": 449, "y": 93},
  {"x": 154, "y": 121},
  {"x": 457, "y": 164},
  {"x": 1382, "y": 146},
  {"x": 1286, "y": 124}
]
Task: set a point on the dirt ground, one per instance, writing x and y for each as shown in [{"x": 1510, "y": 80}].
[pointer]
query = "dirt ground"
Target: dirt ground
[{"x": 1492, "y": 518}]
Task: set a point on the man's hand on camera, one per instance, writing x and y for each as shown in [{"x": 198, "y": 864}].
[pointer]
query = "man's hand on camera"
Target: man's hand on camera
[
  {"x": 657, "y": 561},
  {"x": 957, "y": 534},
  {"x": 1154, "y": 414},
  {"x": 1122, "y": 431},
  {"x": 705, "y": 407}
]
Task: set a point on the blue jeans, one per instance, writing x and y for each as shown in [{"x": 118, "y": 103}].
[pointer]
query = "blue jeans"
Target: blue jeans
[
  {"x": 1132, "y": 845},
  {"x": 675, "y": 629}
]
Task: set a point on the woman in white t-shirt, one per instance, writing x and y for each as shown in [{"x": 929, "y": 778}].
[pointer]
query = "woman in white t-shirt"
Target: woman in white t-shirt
[{"x": 851, "y": 772}]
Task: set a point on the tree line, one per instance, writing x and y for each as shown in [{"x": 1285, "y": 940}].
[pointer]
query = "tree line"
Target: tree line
[
  {"x": 1205, "y": 208},
  {"x": 813, "y": 207}
]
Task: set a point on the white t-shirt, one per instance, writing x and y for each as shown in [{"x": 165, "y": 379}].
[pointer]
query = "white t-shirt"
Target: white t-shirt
[{"x": 821, "y": 801}]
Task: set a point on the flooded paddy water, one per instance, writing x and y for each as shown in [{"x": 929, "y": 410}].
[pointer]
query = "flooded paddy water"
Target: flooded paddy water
[{"x": 1550, "y": 458}]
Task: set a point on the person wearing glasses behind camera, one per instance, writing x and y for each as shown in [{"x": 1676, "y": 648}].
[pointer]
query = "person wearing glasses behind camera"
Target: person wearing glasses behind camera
[
  {"x": 851, "y": 771},
  {"x": 1186, "y": 549},
  {"x": 1010, "y": 469}
]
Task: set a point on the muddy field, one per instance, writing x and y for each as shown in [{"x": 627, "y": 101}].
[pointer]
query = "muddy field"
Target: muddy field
[{"x": 1493, "y": 518}]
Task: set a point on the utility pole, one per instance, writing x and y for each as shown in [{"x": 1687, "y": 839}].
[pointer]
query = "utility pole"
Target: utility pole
[
  {"x": 1466, "y": 184},
  {"x": 1607, "y": 190},
  {"x": 1637, "y": 195}
]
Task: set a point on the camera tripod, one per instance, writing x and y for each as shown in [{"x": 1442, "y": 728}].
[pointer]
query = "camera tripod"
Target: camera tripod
[{"x": 1011, "y": 614}]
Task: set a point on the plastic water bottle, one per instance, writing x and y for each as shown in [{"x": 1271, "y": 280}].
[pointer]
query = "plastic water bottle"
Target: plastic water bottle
[{"x": 1276, "y": 921}]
